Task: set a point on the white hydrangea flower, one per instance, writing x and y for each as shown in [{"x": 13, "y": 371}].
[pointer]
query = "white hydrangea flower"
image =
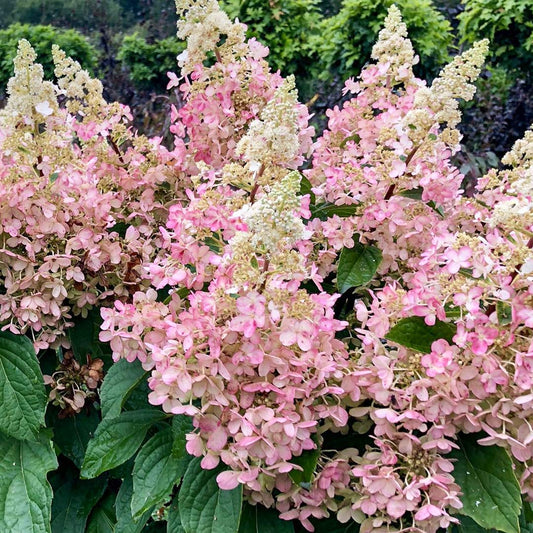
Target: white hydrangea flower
[
  {"x": 272, "y": 222},
  {"x": 274, "y": 138}
]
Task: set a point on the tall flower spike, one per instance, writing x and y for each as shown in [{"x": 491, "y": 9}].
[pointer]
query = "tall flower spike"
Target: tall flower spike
[
  {"x": 202, "y": 23},
  {"x": 30, "y": 97},
  {"x": 394, "y": 48},
  {"x": 453, "y": 83},
  {"x": 84, "y": 93},
  {"x": 274, "y": 138},
  {"x": 272, "y": 220}
]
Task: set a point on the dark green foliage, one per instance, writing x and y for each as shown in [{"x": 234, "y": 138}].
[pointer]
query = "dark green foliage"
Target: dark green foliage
[
  {"x": 149, "y": 63},
  {"x": 345, "y": 40},
  {"x": 69, "y": 13},
  {"x": 287, "y": 27},
  {"x": 508, "y": 24},
  {"x": 41, "y": 38}
]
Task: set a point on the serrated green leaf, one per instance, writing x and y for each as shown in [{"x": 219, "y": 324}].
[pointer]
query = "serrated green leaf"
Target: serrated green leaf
[
  {"x": 181, "y": 425},
  {"x": 155, "y": 472},
  {"x": 126, "y": 522},
  {"x": 73, "y": 433},
  {"x": 258, "y": 519},
  {"x": 22, "y": 393},
  {"x": 203, "y": 506},
  {"x": 308, "y": 461},
  {"x": 413, "y": 332},
  {"x": 116, "y": 440},
  {"x": 326, "y": 210},
  {"x": 103, "y": 519},
  {"x": 357, "y": 266},
  {"x": 25, "y": 494},
  {"x": 118, "y": 384},
  {"x": 491, "y": 493},
  {"x": 526, "y": 518},
  {"x": 527, "y": 512},
  {"x": 73, "y": 499}
]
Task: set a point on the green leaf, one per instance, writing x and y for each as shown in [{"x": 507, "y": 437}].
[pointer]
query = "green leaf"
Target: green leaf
[
  {"x": 73, "y": 499},
  {"x": 126, "y": 522},
  {"x": 22, "y": 393},
  {"x": 414, "y": 333},
  {"x": 327, "y": 210},
  {"x": 181, "y": 425},
  {"x": 467, "y": 525},
  {"x": 203, "y": 506},
  {"x": 491, "y": 494},
  {"x": 102, "y": 519},
  {"x": 73, "y": 433},
  {"x": 84, "y": 334},
  {"x": 527, "y": 513},
  {"x": 25, "y": 494},
  {"x": 504, "y": 312},
  {"x": 355, "y": 138},
  {"x": 307, "y": 461},
  {"x": 258, "y": 519},
  {"x": 526, "y": 522},
  {"x": 116, "y": 440},
  {"x": 174, "y": 520},
  {"x": 118, "y": 384},
  {"x": 155, "y": 472},
  {"x": 305, "y": 188},
  {"x": 414, "y": 194},
  {"x": 357, "y": 266}
]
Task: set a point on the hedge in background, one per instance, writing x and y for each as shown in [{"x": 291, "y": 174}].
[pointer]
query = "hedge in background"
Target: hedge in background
[
  {"x": 509, "y": 27},
  {"x": 42, "y": 37},
  {"x": 149, "y": 62},
  {"x": 345, "y": 40}
]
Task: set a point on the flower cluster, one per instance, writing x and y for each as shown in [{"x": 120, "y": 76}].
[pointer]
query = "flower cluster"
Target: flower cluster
[
  {"x": 241, "y": 326},
  {"x": 459, "y": 265},
  {"x": 239, "y": 344},
  {"x": 77, "y": 213}
]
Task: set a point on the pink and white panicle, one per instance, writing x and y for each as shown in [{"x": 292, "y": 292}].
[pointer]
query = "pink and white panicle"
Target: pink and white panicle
[
  {"x": 65, "y": 188},
  {"x": 463, "y": 264},
  {"x": 238, "y": 344},
  {"x": 246, "y": 340}
]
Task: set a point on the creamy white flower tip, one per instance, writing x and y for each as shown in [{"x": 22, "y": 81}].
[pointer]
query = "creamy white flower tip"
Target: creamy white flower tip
[
  {"x": 44, "y": 108},
  {"x": 527, "y": 267},
  {"x": 183, "y": 57}
]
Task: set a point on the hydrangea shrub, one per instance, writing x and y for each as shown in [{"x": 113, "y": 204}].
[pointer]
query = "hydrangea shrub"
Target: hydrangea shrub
[{"x": 293, "y": 334}]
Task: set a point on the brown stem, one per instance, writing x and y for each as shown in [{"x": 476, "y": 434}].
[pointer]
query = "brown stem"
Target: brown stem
[
  {"x": 255, "y": 188},
  {"x": 218, "y": 56},
  {"x": 266, "y": 264},
  {"x": 39, "y": 161},
  {"x": 390, "y": 192},
  {"x": 253, "y": 192},
  {"x": 411, "y": 155},
  {"x": 408, "y": 159},
  {"x": 116, "y": 149}
]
